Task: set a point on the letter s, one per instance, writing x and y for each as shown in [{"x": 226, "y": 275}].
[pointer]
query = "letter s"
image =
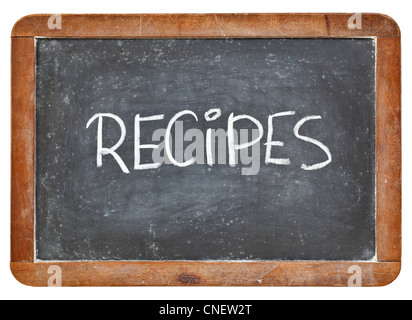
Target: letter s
[{"x": 316, "y": 166}]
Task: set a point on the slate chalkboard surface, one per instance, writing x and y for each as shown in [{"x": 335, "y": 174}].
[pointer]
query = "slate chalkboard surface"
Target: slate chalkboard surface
[{"x": 201, "y": 211}]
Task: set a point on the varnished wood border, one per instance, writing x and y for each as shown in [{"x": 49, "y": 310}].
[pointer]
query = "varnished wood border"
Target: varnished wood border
[
  {"x": 252, "y": 25},
  {"x": 388, "y": 149},
  {"x": 211, "y": 273},
  {"x": 215, "y": 273},
  {"x": 22, "y": 149}
]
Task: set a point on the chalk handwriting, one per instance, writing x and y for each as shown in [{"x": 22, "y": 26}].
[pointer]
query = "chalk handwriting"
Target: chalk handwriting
[{"x": 194, "y": 153}]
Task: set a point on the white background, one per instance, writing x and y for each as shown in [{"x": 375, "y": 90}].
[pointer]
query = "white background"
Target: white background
[{"x": 14, "y": 10}]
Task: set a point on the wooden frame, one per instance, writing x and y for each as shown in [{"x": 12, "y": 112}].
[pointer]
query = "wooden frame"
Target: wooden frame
[{"x": 215, "y": 273}]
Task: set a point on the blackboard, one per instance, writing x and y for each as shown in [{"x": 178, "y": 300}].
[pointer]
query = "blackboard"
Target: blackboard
[
  {"x": 206, "y": 150},
  {"x": 271, "y": 211}
]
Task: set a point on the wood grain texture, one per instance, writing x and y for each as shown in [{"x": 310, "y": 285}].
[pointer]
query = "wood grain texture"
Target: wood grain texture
[
  {"x": 265, "y": 273},
  {"x": 253, "y": 25},
  {"x": 181, "y": 273},
  {"x": 22, "y": 150},
  {"x": 388, "y": 147}
]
